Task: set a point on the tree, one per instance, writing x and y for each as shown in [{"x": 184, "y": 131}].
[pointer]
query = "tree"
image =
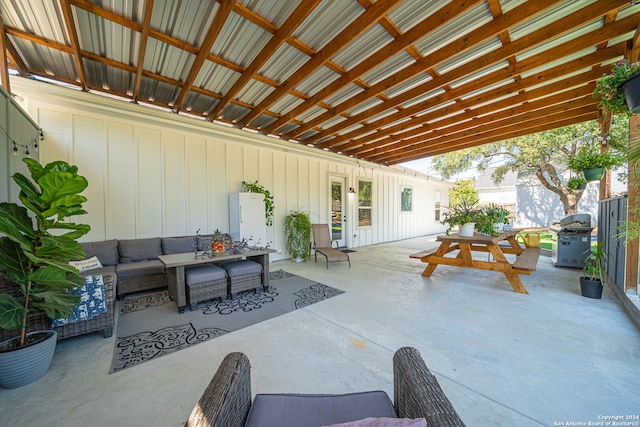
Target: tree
[
  {"x": 546, "y": 154},
  {"x": 464, "y": 191}
]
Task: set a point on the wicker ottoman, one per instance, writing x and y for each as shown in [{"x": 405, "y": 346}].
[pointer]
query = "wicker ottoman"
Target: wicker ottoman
[
  {"x": 243, "y": 275},
  {"x": 205, "y": 283}
]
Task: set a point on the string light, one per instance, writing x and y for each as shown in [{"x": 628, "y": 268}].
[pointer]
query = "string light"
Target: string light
[{"x": 33, "y": 142}]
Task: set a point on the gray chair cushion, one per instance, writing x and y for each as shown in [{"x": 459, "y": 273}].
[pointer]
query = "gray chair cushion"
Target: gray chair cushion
[
  {"x": 107, "y": 251},
  {"x": 241, "y": 268},
  {"x": 139, "y": 268},
  {"x": 206, "y": 273},
  {"x": 139, "y": 249},
  {"x": 313, "y": 410},
  {"x": 178, "y": 245}
]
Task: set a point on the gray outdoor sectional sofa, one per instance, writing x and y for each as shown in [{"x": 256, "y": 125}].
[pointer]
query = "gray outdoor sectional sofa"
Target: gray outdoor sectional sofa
[{"x": 135, "y": 263}]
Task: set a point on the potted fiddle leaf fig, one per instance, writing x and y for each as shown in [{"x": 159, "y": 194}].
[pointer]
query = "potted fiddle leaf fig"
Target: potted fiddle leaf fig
[
  {"x": 297, "y": 232},
  {"x": 36, "y": 246}
]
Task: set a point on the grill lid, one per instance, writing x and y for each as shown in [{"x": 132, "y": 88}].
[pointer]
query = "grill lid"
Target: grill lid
[{"x": 573, "y": 222}]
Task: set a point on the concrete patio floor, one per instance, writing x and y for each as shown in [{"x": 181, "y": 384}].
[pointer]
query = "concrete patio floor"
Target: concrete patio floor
[{"x": 548, "y": 358}]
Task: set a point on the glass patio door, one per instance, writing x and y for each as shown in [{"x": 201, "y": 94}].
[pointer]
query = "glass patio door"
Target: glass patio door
[{"x": 337, "y": 213}]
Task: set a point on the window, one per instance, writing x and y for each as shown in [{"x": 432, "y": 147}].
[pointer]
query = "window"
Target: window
[
  {"x": 406, "y": 199},
  {"x": 365, "y": 205},
  {"x": 437, "y": 200}
]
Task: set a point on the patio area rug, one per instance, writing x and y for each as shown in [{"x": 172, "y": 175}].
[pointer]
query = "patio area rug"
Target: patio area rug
[{"x": 149, "y": 325}]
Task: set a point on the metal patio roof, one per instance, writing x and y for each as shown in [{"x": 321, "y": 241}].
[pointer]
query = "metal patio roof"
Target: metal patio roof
[{"x": 387, "y": 81}]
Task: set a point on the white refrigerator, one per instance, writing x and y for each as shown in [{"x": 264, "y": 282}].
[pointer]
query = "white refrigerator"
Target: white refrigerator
[{"x": 247, "y": 218}]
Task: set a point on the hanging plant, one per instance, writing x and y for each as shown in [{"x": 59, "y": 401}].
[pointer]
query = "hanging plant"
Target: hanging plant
[
  {"x": 254, "y": 187},
  {"x": 608, "y": 87}
]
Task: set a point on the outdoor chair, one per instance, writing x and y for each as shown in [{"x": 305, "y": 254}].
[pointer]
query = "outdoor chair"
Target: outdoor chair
[
  {"x": 417, "y": 394},
  {"x": 322, "y": 245}
]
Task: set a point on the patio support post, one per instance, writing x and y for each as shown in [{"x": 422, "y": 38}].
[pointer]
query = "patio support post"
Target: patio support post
[
  {"x": 633, "y": 191},
  {"x": 633, "y": 208}
]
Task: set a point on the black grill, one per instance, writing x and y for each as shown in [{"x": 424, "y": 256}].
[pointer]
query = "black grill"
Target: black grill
[{"x": 571, "y": 240}]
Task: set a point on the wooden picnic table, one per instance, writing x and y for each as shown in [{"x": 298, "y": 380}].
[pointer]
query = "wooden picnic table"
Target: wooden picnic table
[{"x": 527, "y": 258}]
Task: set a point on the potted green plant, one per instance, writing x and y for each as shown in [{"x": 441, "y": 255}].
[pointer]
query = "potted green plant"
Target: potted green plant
[
  {"x": 593, "y": 272},
  {"x": 498, "y": 215},
  {"x": 297, "y": 233},
  {"x": 463, "y": 215},
  {"x": 35, "y": 249},
  {"x": 576, "y": 183},
  {"x": 591, "y": 161},
  {"x": 254, "y": 187},
  {"x": 616, "y": 90}
]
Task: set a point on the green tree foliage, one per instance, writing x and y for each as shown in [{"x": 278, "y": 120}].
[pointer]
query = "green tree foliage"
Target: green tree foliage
[
  {"x": 546, "y": 154},
  {"x": 464, "y": 192}
]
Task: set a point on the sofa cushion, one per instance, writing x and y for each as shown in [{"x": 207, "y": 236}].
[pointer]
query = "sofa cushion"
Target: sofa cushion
[
  {"x": 135, "y": 250},
  {"x": 178, "y": 245},
  {"x": 107, "y": 251},
  {"x": 204, "y": 243},
  {"x": 302, "y": 410},
  {"x": 140, "y": 268}
]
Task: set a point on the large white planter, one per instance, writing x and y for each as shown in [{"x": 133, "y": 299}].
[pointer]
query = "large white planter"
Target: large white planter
[
  {"x": 27, "y": 364},
  {"x": 466, "y": 230}
]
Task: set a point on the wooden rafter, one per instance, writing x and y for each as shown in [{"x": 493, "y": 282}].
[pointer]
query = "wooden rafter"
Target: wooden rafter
[
  {"x": 4, "y": 66},
  {"x": 386, "y": 121},
  {"x": 205, "y": 50},
  {"x": 148, "y": 9},
  {"x": 279, "y": 38},
  {"x": 427, "y": 25},
  {"x": 493, "y": 57},
  {"x": 75, "y": 43},
  {"x": 359, "y": 26}
]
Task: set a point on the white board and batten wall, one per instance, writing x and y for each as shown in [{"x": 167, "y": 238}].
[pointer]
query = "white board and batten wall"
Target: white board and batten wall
[{"x": 155, "y": 173}]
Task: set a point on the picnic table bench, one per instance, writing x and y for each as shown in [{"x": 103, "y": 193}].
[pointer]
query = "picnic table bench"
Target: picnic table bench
[{"x": 527, "y": 258}]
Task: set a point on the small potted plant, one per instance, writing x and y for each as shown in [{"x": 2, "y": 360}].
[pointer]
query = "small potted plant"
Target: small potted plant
[
  {"x": 254, "y": 187},
  {"x": 464, "y": 215},
  {"x": 498, "y": 215},
  {"x": 217, "y": 241},
  {"x": 576, "y": 183},
  {"x": 297, "y": 233},
  {"x": 591, "y": 162},
  {"x": 35, "y": 250},
  {"x": 617, "y": 90},
  {"x": 593, "y": 272}
]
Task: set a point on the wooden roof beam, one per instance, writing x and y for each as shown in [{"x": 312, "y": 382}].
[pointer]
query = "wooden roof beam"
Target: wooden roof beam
[
  {"x": 75, "y": 43},
  {"x": 514, "y": 87},
  {"x": 540, "y": 36},
  {"x": 205, "y": 50},
  {"x": 460, "y": 125},
  {"x": 142, "y": 49},
  {"x": 357, "y": 27},
  {"x": 429, "y": 24},
  {"x": 484, "y": 137},
  {"x": 279, "y": 38},
  {"x": 4, "y": 66},
  {"x": 500, "y": 126}
]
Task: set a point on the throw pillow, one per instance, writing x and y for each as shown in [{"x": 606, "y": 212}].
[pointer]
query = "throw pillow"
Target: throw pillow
[
  {"x": 86, "y": 264},
  {"x": 93, "y": 301},
  {"x": 384, "y": 422}
]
